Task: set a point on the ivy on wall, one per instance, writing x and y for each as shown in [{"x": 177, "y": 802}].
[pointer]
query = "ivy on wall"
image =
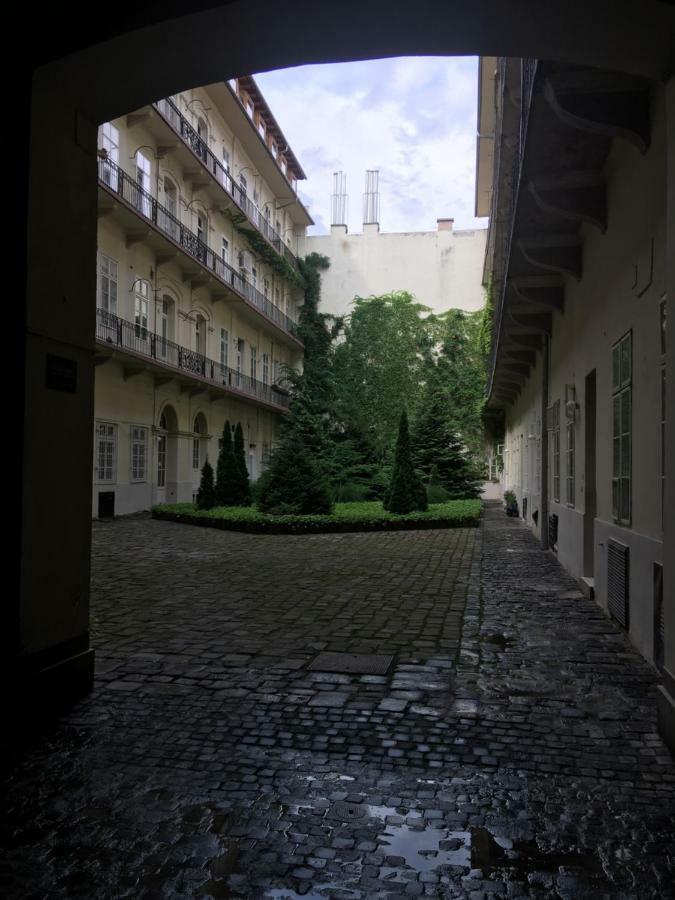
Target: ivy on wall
[{"x": 263, "y": 250}]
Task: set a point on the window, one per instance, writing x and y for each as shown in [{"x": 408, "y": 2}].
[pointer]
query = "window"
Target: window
[
  {"x": 282, "y": 164},
  {"x": 106, "y": 451},
  {"x": 254, "y": 363},
  {"x": 109, "y": 141},
  {"x": 570, "y": 463},
  {"x": 226, "y": 160},
  {"x": 537, "y": 471},
  {"x": 143, "y": 182},
  {"x": 195, "y": 453},
  {"x": 266, "y": 287},
  {"x": 265, "y": 368},
  {"x": 203, "y": 132},
  {"x": 224, "y": 346},
  {"x": 262, "y": 128},
  {"x": 226, "y": 251},
  {"x": 161, "y": 460},
  {"x": 621, "y": 429},
  {"x": 662, "y": 314},
  {"x": 240, "y": 350},
  {"x": 553, "y": 416},
  {"x": 107, "y": 294},
  {"x": 277, "y": 296},
  {"x": 163, "y": 326},
  {"x": 249, "y": 108},
  {"x": 274, "y": 149},
  {"x": 141, "y": 296},
  {"x": 254, "y": 276},
  {"x": 243, "y": 184},
  {"x": 170, "y": 223},
  {"x": 139, "y": 444}
]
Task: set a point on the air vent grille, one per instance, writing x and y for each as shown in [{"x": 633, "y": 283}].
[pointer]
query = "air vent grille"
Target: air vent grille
[{"x": 617, "y": 581}]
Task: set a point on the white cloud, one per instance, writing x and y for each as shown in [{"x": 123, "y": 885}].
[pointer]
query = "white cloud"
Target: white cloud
[{"x": 413, "y": 118}]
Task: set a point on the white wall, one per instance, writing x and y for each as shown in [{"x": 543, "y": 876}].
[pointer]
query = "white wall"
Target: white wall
[{"x": 443, "y": 269}]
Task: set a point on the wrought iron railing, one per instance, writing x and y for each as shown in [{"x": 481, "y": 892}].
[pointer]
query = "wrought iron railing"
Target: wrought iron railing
[
  {"x": 145, "y": 205},
  {"x": 503, "y": 240},
  {"x": 112, "y": 330},
  {"x": 171, "y": 114}
]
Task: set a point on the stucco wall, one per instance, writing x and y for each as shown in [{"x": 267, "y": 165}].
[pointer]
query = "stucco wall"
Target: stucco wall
[
  {"x": 443, "y": 269},
  {"x": 621, "y": 290}
]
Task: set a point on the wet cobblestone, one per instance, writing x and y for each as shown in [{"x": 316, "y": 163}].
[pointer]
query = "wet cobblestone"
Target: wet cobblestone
[{"x": 511, "y": 751}]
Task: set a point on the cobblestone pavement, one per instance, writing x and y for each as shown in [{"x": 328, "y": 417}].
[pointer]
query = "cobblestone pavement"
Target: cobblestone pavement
[{"x": 511, "y": 751}]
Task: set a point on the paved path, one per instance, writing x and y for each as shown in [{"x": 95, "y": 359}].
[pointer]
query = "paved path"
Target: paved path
[{"x": 511, "y": 750}]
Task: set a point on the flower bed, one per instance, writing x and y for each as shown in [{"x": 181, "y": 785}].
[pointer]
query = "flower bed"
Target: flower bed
[{"x": 365, "y": 516}]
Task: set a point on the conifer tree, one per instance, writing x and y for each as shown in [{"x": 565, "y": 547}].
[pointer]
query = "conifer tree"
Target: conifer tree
[
  {"x": 243, "y": 484},
  {"x": 226, "y": 471},
  {"x": 296, "y": 480},
  {"x": 437, "y": 447},
  {"x": 406, "y": 491},
  {"x": 206, "y": 495}
]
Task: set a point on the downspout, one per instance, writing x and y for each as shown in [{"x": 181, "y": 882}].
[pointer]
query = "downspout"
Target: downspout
[{"x": 544, "y": 444}]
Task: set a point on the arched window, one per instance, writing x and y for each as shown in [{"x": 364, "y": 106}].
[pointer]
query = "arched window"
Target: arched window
[{"x": 164, "y": 325}]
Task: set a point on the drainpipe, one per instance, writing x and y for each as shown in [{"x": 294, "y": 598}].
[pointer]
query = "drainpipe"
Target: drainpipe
[{"x": 544, "y": 444}]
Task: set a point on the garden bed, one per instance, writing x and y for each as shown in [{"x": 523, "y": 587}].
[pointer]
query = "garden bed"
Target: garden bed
[{"x": 365, "y": 516}]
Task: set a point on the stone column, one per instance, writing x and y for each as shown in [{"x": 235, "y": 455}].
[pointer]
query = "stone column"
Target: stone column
[
  {"x": 50, "y": 652},
  {"x": 666, "y": 695}
]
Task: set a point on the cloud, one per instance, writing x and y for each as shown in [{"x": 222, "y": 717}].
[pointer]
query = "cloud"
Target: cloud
[{"x": 413, "y": 118}]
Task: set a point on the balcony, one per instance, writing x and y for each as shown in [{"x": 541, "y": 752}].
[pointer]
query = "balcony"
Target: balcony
[
  {"x": 159, "y": 353},
  {"x": 172, "y": 116},
  {"x": 156, "y": 218}
]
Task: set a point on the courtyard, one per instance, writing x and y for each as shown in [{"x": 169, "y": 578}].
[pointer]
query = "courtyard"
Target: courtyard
[{"x": 510, "y": 749}]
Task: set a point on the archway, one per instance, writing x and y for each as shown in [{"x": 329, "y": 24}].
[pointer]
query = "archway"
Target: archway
[{"x": 48, "y": 619}]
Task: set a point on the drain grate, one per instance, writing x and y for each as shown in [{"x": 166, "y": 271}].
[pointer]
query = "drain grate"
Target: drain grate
[
  {"x": 351, "y": 663},
  {"x": 347, "y": 812}
]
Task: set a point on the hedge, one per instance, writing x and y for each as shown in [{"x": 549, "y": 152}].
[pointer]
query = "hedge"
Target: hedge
[{"x": 364, "y": 516}]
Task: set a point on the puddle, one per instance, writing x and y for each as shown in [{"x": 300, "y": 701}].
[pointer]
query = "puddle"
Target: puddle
[
  {"x": 338, "y": 892},
  {"x": 427, "y": 849},
  {"x": 381, "y": 812}
]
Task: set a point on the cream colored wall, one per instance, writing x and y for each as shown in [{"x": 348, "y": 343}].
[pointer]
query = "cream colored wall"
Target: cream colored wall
[
  {"x": 443, "y": 269},
  {"x": 620, "y": 290},
  {"x": 137, "y": 401},
  {"x": 139, "y": 261}
]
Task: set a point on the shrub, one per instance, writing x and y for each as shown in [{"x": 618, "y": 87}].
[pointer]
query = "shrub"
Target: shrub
[
  {"x": 226, "y": 475},
  {"x": 406, "y": 492},
  {"x": 294, "y": 483},
  {"x": 242, "y": 482},
  {"x": 206, "y": 495}
]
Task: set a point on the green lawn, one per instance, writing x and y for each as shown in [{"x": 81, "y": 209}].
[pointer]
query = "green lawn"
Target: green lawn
[{"x": 363, "y": 516}]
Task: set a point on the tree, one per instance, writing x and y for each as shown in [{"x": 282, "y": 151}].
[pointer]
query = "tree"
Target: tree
[
  {"x": 206, "y": 495},
  {"x": 242, "y": 483},
  {"x": 296, "y": 481},
  {"x": 226, "y": 471},
  {"x": 406, "y": 492},
  {"x": 379, "y": 365},
  {"x": 438, "y": 453}
]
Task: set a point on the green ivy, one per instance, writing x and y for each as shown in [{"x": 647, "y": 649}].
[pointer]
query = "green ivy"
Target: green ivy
[{"x": 262, "y": 249}]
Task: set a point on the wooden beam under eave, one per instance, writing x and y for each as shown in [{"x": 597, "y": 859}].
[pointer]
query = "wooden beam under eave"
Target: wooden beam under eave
[
  {"x": 572, "y": 200},
  {"x": 520, "y": 369},
  {"x": 553, "y": 253},
  {"x": 545, "y": 292},
  {"x": 606, "y": 103},
  {"x": 517, "y": 355},
  {"x": 537, "y": 322}
]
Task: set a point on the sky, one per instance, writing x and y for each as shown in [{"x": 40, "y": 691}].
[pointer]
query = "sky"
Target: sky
[{"x": 413, "y": 118}]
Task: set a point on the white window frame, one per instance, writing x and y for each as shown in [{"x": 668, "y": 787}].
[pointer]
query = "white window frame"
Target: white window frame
[
  {"x": 570, "y": 463},
  {"x": 106, "y": 444},
  {"x": 224, "y": 346},
  {"x": 138, "y": 458},
  {"x": 265, "y": 368},
  {"x": 143, "y": 173},
  {"x": 109, "y": 140},
  {"x": 141, "y": 307},
  {"x": 254, "y": 363},
  {"x": 622, "y": 432},
  {"x": 225, "y": 250},
  {"x": 108, "y": 284}
]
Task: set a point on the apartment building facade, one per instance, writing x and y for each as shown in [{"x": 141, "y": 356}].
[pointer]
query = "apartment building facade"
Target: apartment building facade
[
  {"x": 574, "y": 182},
  {"x": 198, "y": 290}
]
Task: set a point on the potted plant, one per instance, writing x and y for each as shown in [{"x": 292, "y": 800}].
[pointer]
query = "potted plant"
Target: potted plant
[{"x": 510, "y": 503}]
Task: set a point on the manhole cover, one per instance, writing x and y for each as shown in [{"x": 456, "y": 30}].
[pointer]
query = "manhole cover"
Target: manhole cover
[
  {"x": 351, "y": 663},
  {"x": 345, "y": 811}
]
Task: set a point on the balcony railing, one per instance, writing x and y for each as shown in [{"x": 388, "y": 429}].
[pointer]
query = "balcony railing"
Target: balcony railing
[
  {"x": 170, "y": 112},
  {"x": 116, "y": 332},
  {"x": 145, "y": 205}
]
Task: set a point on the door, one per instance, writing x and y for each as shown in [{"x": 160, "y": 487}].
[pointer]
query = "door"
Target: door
[{"x": 590, "y": 499}]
